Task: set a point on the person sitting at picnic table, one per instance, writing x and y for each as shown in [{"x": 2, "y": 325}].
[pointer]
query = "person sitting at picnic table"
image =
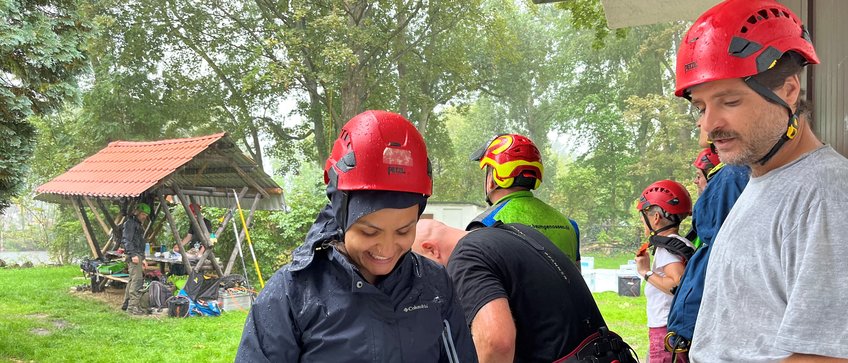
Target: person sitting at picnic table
[{"x": 192, "y": 242}]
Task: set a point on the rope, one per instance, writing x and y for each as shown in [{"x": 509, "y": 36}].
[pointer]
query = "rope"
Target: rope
[{"x": 249, "y": 242}]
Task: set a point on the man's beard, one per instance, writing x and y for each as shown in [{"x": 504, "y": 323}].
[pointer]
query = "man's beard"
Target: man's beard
[{"x": 758, "y": 143}]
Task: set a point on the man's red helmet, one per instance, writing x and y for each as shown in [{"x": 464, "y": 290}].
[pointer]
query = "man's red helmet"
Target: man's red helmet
[
  {"x": 669, "y": 195},
  {"x": 379, "y": 150},
  {"x": 737, "y": 39},
  {"x": 511, "y": 156},
  {"x": 706, "y": 160}
]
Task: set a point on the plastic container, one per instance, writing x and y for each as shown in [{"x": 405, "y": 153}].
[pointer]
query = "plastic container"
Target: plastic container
[
  {"x": 147, "y": 249},
  {"x": 234, "y": 300},
  {"x": 629, "y": 285},
  {"x": 587, "y": 263}
]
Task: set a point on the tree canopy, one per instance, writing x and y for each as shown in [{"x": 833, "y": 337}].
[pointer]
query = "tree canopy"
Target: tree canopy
[
  {"x": 42, "y": 54},
  {"x": 283, "y": 77}
]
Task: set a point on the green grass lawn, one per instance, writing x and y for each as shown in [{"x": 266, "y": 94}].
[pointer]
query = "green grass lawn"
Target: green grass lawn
[
  {"x": 42, "y": 321},
  {"x": 624, "y": 315}
]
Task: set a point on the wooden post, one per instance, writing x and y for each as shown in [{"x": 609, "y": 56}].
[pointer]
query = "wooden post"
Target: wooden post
[
  {"x": 86, "y": 228},
  {"x": 112, "y": 221},
  {"x": 94, "y": 211},
  {"x": 229, "y": 214},
  {"x": 156, "y": 229},
  {"x": 235, "y": 252},
  {"x": 174, "y": 230},
  {"x": 113, "y": 224},
  {"x": 148, "y": 231},
  {"x": 207, "y": 241},
  {"x": 204, "y": 235}
]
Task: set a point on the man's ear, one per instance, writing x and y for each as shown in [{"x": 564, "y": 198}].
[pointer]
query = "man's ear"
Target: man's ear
[
  {"x": 432, "y": 249},
  {"x": 791, "y": 91},
  {"x": 655, "y": 219},
  {"x": 490, "y": 179}
]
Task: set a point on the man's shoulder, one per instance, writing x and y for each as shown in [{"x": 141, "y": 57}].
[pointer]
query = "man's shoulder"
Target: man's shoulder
[
  {"x": 827, "y": 160},
  {"x": 486, "y": 236},
  {"x": 822, "y": 170},
  {"x": 529, "y": 208}
]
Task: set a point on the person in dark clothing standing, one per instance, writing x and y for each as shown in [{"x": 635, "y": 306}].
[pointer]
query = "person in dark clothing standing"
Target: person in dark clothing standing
[
  {"x": 525, "y": 301},
  {"x": 133, "y": 241},
  {"x": 354, "y": 292}
]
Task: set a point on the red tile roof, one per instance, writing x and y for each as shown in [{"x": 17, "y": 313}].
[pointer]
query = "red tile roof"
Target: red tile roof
[{"x": 127, "y": 168}]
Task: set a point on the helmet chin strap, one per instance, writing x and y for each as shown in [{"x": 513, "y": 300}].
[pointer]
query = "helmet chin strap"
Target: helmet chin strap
[
  {"x": 675, "y": 223},
  {"x": 792, "y": 123}
]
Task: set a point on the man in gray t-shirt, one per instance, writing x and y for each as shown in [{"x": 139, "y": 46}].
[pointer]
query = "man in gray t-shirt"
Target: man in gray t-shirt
[{"x": 775, "y": 282}]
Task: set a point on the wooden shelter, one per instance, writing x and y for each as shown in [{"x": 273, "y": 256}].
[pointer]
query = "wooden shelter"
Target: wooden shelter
[{"x": 206, "y": 170}]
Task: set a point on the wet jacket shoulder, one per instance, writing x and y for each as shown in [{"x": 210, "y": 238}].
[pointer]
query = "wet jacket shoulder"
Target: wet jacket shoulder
[{"x": 319, "y": 309}]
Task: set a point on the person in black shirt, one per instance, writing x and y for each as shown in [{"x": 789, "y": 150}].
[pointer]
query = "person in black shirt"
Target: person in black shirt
[{"x": 524, "y": 299}]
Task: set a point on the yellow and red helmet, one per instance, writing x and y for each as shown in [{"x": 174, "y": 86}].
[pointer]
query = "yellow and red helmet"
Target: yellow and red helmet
[{"x": 512, "y": 157}]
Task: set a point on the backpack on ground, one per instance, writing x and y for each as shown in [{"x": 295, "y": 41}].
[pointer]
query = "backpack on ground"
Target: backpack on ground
[
  {"x": 89, "y": 266},
  {"x": 158, "y": 294},
  {"x": 201, "y": 307},
  {"x": 178, "y": 306}
]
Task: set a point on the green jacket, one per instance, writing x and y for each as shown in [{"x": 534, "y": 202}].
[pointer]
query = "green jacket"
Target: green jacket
[{"x": 522, "y": 207}]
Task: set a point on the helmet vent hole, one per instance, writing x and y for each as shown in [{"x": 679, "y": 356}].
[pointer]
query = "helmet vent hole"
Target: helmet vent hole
[
  {"x": 752, "y": 19},
  {"x": 744, "y": 29},
  {"x": 776, "y": 13},
  {"x": 786, "y": 14},
  {"x": 763, "y": 13}
]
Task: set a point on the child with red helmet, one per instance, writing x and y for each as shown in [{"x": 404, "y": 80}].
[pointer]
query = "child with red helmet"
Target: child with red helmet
[
  {"x": 354, "y": 291},
  {"x": 662, "y": 205}
]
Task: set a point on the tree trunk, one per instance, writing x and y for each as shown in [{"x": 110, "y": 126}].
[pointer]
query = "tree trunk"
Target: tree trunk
[
  {"x": 352, "y": 94},
  {"x": 256, "y": 146},
  {"x": 400, "y": 45},
  {"x": 353, "y": 86},
  {"x": 317, "y": 118}
]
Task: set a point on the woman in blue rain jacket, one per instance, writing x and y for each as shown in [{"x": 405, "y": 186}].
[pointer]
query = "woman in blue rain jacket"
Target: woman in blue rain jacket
[{"x": 354, "y": 292}]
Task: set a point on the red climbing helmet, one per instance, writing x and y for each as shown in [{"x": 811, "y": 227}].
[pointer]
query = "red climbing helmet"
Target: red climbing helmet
[
  {"x": 511, "y": 156},
  {"x": 737, "y": 39},
  {"x": 379, "y": 150},
  {"x": 706, "y": 160},
  {"x": 669, "y": 195}
]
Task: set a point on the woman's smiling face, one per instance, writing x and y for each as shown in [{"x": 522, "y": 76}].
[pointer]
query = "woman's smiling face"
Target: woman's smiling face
[{"x": 375, "y": 242}]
